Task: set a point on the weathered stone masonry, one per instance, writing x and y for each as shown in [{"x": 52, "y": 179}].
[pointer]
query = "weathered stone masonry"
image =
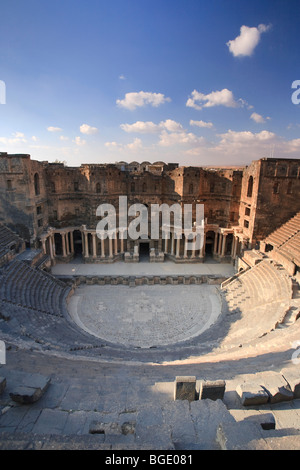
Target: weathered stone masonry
[{"x": 53, "y": 207}]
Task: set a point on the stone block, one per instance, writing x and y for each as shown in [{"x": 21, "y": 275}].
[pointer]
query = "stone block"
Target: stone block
[
  {"x": 213, "y": 390},
  {"x": 185, "y": 388},
  {"x": 31, "y": 389},
  {"x": 252, "y": 394},
  {"x": 25, "y": 395}
]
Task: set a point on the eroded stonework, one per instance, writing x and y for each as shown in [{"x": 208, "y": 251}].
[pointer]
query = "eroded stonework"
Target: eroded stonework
[{"x": 53, "y": 207}]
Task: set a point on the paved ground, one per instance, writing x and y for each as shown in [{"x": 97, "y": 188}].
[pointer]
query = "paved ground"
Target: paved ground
[
  {"x": 145, "y": 316},
  {"x": 77, "y": 268}
]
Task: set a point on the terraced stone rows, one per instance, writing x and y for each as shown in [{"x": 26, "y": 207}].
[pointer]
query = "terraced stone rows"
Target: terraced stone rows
[
  {"x": 285, "y": 232},
  {"x": 32, "y": 288}
]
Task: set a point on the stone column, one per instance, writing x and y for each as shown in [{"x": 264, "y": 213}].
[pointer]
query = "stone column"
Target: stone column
[
  {"x": 72, "y": 242},
  {"x": 166, "y": 243},
  {"x": 202, "y": 251},
  {"x": 122, "y": 241},
  {"x": 224, "y": 244},
  {"x": 102, "y": 247},
  {"x": 86, "y": 244},
  {"x": 185, "y": 247},
  {"x": 63, "y": 244},
  {"x": 234, "y": 246},
  {"x": 110, "y": 247},
  {"x": 94, "y": 245},
  {"x": 220, "y": 243},
  {"x": 52, "y": 241},
  {"x": 50, "y": 247},
  {"x": 116, "y": 243},
  {"x": 172, "y": 243},
  {"x": 67, "y": 243},
  {"x": 215, "y": 243},
  {"x": 178, "y": 247},
  {"x": 194, "y": 246},
  {"x": 44, "y": 245}
]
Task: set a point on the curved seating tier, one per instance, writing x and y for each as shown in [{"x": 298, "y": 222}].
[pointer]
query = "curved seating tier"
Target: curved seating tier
[
  {"x": 285, "y": 232},
  {"x": 260, "y": 298},
  {"x": 32, "y": 288}
]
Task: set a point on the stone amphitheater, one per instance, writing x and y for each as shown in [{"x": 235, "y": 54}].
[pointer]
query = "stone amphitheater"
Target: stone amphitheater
[{"x": 191, "y": 358}]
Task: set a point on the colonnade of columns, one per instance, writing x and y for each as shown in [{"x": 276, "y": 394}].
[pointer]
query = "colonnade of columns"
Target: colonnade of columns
[{"x": 60, "y": 243}]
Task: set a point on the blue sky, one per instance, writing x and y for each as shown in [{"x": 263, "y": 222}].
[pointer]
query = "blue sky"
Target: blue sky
[{"x": 188, "y": 81}]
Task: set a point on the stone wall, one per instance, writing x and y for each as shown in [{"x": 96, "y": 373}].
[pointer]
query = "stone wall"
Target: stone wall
[{"x": 244, "y": 203}]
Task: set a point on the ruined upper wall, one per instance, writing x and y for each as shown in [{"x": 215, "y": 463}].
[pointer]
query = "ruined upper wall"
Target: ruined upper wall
[
  {"x": 36, "y": 194},
  {"x": 269, "y": 196},
  {"x": 23, "y": 195}
]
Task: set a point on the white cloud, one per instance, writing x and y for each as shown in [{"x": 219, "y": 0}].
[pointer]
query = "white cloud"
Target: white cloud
[
  {"x": 215, "y": 98},
  {"x": 34, "y": 138},
  {"x": 122, "y": 77},
  {"x": 149, "y": 127},
  {"x": 142, "y": 127},
  {"x": 208, "y": 125},
  {"x": 136, "y": 100},
  {"x": 258, "y": 118},
  {"x": 135, "y": 145},
  {"x": 89, "y": 130},
  {"x": 179, "y": 138},
  {"x": 246, "y": 42},
  {"x": 54, "y": 129},
  {"x": 79, "y": 141},
  {"x": 63, "y": 137},
  {"x": 17, "y": 137},
  {"x": 171, "y": 126},
  {"x": 132, "y": 146}
]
